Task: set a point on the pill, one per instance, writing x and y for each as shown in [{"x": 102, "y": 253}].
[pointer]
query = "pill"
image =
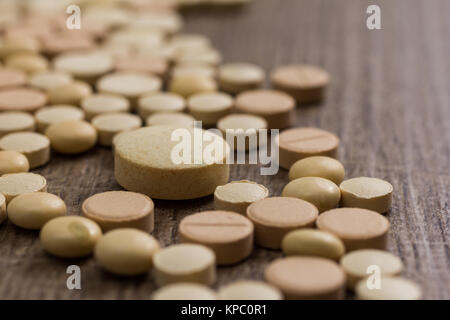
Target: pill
[
  {"x": 391, "y": 288},
  {"x": 33, "y": 210},
  {"x": 190, "y": 41},
  {"x": 368, "y": 193},
  {"x": 228, "y": 234},
  {"x": 163, "y": 174},
  {"x": 11, "y": 78},
  {"x": 108, "y": 125},
  {"x": 357, "y": 228},
  {"x": 305, "y": 278},
  {"x": 318, "y": 166},
  {"x": 305, "y": 83},
  {"x": 184, "y": 263},
  {"x": 21, "y": 99},
  {"x": 3, "y": 214},
  {"x": 276, "y": 107},
  {"x": 274, "y": 217},
  {"x": 13, "y": 162},
  {"x": 70, "y": 93},
  {"x": 357, "y": 265},
  {"x": 193, "y": 70},
  {"x": 209, "y": 57},
  {"x": 135, "y": 38},
  {"x": 14, "y": 184},
  {"x": 249, "y": 290},
  {"x": 184, "y": 291},
  {"x": 54, "y": 114},
  {"x": 34, "y": 146},
  {"x": 97, "y": 104},
  {"x": 160, "y": 102},
  {"x": 238, "y": 77},
  {"x": 210, "y": 107},
  {"x": 311, "y": 242},
  {"x": 142, "y": 63},
  {"x": 322, "y": 193},
  {"x": 49, "y": 79},
  {"x": 70, "y": 236},
  {"x": 238, "y": 195},
  {"x": 27, "y": 62},
  {"x": 158, "y": 15},
  {"x": 175, "y": 119},
  {"x": 298, "y": 143},
  {"x": 12, "y": 45},
  {"x": 187, "y": 85},
  {"x": 56, "y": 44},
  {"x": 71, "y": 137},
  {"x": 120, "y": 209},
  {"x": 15, "y": 121}
]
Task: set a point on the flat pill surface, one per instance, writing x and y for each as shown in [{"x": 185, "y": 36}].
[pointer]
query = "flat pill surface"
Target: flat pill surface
[
  {"x": 193, "y": 70},
  {"x": 15, "y": 121},
  {"x": 244, "y": 128},
  {"x": 21, "y": 99},
  {"x": 13, "y": 162},
  {"x": 142, "y": 63},
  {"x": 69, "y": 93},
  {"x": 238, "y": 77},
  {"x": 249, "y": 290},
  {"x": 104, "y": 103},
  {"x": 86, "y": 67},
  {"x": 394, "y": 288},
  {"x": 175, "y": 119},
  {"x": 11, "y": 78},
  {"x": 72, "y": 136},
  {"x": 2, "y": 208},
  {"x": 210, "y": 107},
  {"x": 108, "y": 125},
  {"x": 189, "y": 84},
  {"x": 49, "y": 79},
  {"x": 50, "y": 115},
  {"x": 184, "y": 291},
  {"x": 318, "y": 166},
  {"x": 14, "y": 184},
  {"x": 35, "y": 146},
  {"x": 160, "y": 102},
  {"x": 27, "y": 62}
]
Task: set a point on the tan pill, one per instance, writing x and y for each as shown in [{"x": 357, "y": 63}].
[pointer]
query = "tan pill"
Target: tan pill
[
  {"x": 13, "y": 45},
  {"x": 70, "y": 93},
  {"x": 274, "y": 217},
  {"x": 184, "y": 291},
  {"x": 72, "y": 136},
  {"x": 187, "y": 85},
  {"x": 318, "y": 166},
  {"x": 391, "y": 288},
  {"x": 34, "y": 146},
  {"x": 227, "y": 233},
  {"x": 108, "y": 125},
  {"x": 33, "y": 210},
  {"x": 27, "y": 62},
  {"x": 249, "y": 290},
  {"x": 357, "y": 265},
  {"x": 238, "y": 77},
  {"x": 175, "y": 119},
  {"x": 160, "y": 102},
  {"x": 142, "y": 63},
  {"x": 10, "y": 78},
  {"x": 209, "y": 57},
  {"x": 120, "y": 209},
  {"x": 21, "y": 99},
  {"x": 305, "y": 278},
  {"x": 190, "y": 42},
  {"x": 209, "y": 107},
  {"x": 15, "y": 121},
  {"x": 368, "y": 193},
  {"x": 14, "y": 184},
  {"x": 13, "y": 162},
  {"x": 3, "y": 214},
  {"x": 357, "y": 228},
  {"x": 193, "y": 70},
  {"x": 49, "y": 79},
  {"x": 310, "y": 242},
  {"x": 97, "y": 104},
  {"x": 56, "y": 44},
  {"x": 70, "y": 236},
  {"x": 276, "y": 107},
  {"x": 54, "y": 114}
]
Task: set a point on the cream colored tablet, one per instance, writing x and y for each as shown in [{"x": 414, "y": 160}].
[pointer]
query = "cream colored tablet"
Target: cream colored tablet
[
  {"x": 142, "y": 63},
  {"x": 391, "y": 288},
  {"x": 56, "y": 44},
  {"x": 14, "y": 184},
  {"x": 54, "y": 114},
  {"x": 174, "y": 172},
  {"x": 227, "y": 233},
  {"x": 275, "y": 217},
  {"x": 184, "y": 291},
  {"x": 12, "y": 45},
  {"x": 86, "y": 66},
  {"x": 310, "y": 242},
  {"x": 21, "y": 99},
  {"x": 361, "y": 264},
  {"x": 120, "y": 209},
  {"x": 158, "y": 15},
  {"x": 10, "y": 78},
  {"x": 126, "y": 251},
  {"x": 238, "y": 77},
  {"x": 190, "y": 42},
  {"x": 49, "y": 79},
  {"x": 70, "y": 236},
  {"x": 249, "y": 290},
  {"x": 357, "y": 228},
  {"x": 187, "y": 85},
  {"x": 209, "y": 57},
  {"x": 13, "y": 162},
  {"x": 238, "y": 195},
  {"x": 318, "y": 166},
  {"x": 104, "y": 103},
  {"x": 175, "y": 119},
  {"x": 3, "y": 214},
  {"x": 108, "y": 125},
  {"x": 307, "y": 278},
  {"x": 210, "y": 107},
  {"x": 27, "y": 62},
  {"x": 33, "y": 210},
  {"x": 15, "y": 121},
  {"x": 160, "y": 102},
  {"x": 34, "y": 146},
  {"x": 71, "y": 137},
  {"x": 368, "y": 193},
  {"x": 184, "y": 263},
  {"x": 193, "y": 70},
  {"x": 70, "y": 93}
]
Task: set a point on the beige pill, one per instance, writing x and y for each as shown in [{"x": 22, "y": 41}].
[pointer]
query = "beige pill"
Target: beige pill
[
  {"x": 33, "y": 210},
  {"x": 187, "y": 85},
  {"x": 356, "y": 265},
  {"x": 13, "y": 45},
  {"x": 71, "y": 137},
  {"x": 10, "y": 78},
  {"x": 274, "y": 217},
  {"x": 357, "y": 228},
  {"x": 318, "y": 166},
  {"x": 276, "y": 107},
  {"x": 70, "y": 93},
  {"x": 21, "y": 99},
  {"x": 14, "y": 184},
  {"x": 49, "y": 79},
  {"x": 190, "y": 42},
  {"x": 54, "y": 114},
  {"x": 391, "y": 288},
  {"x": 193, "y": 70},
  {"x": 70, "y": 236},
  {"x": 15, "y": 121},
  {"x": 3, "y": 214},
  {"x": 236, "y": 196},
  {"x": 120, "y": 209},
  {"x": 85, "y": 66},
  {"x": 58, "y": 44},
  {"x": 209, "y": 57},
  {"x": 104, "y": 103},
  {"x": 175, "y": 119},
  {"x": 310, "y": 242},
  {"x": 27, "y": 62},
  {"x": 368, "y": 193},
  {"x": 184, "y": 291},
  {"x": 305, "y": 83},
  {"x": 142, "y": 63},
  {"x": 34, "y": 146},
  {"x": 184, "y": 263},
  {"x": 304, "y": 278},
  {"x": 13, "y": 162},
  {"x": 108, "y": 125},
  {"x": 238, "y": 77},
  {"x": 227, "y": 233},
  {"x": 209, "y": 107},
  {"x": 160, "y": 102},
  {"x": 249, "y": 290}
]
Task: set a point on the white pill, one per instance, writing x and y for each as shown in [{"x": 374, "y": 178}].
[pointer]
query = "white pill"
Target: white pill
[
  {"x": 104, "y": 103},
  {"x": 160, "y": 102},
  {"x": 15, "y": 122}
]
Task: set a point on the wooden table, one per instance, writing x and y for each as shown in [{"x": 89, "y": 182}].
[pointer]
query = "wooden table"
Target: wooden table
[{"x": 388, "y": 102}]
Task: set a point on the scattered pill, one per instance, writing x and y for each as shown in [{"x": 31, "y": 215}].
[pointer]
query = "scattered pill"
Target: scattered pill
[
  {"x": 21, "y": 99},
  {"x": 193, "y": 70},
  {"x": 391, "y": 288},
  {"x": 27, "y": 62},
  {"x": 184, "y": 291},
  {"x": 14, "y": 184},
  {"x": 34, "y": 146},
  {"x": 190, "y": 42},
  {"x": 71, "y": 137},
  {"x": 175, "y": 119},
  {"x": 11, "y": 78},
  {"x": 13, "y": 45},
  {"x": 249, "y": 290},
  {"x": 54, "y": 114},
  {"x": 209, "y": 57},
  {"x": 56, "y": 44},
  {"x": 97, "y": 104},
  {"x": 13, "y": 162},
  {"x": 238, "y": 77},
  {"x": 142, "y": 63},
  {"x": 15, "y": 121},
  {"x": 318, "y": 166},
  {"x": 108, "y": 125},
  {"x": 210, "y": 107},
  {"x": 187, "y": 85},
  {"x": 49, "y": 79},
  {"x": 70, "y": 93},
  {"x": 3, "y": 214},
  {"x": 160, "y": 102}
]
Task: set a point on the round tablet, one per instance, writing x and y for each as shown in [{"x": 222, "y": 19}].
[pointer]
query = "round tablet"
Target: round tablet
[
  {"x": 175, "y": 119},
  {"x": 391, "y": 288},
  {"x": 357, "y": 228},
  {"x": 368, "y": 193},
  {"x": 33, "y": 210},
  {"x": 27, "y": 62},
  {"x": 14, "y": 184},
  {"x": 13, "y": 162},
  {"x": 21, "y": 99},
  {"x": 184, "y": 291},
  {"x": 275, "y": 217},
  {"x": 356, "y": 265},
  {"x": 49, "y": 79},
  {"x": 249, "y": 290},
  {"x": 209, "y": 57},
  {"x": 210, "y": 107},
  {"x": 3, "y": 214},
  {"x": 70, "y": 93},
  {"x": 108, "y": 125},
  {"x": 227, "y": 233},
  {"x": 160, "y": 102},
  {"x": 34, "y": 146},
  {"x": 304, "y": 82},
  {"x": 184, "y": 263},
  {"x": 71, "y": 137},
  {"x": 12, "y": 78},
  {"x": 318, "y": 166},
  {"x": 158, "y": 161},
  {"x": 193, "y": 70},
  {"x": 307, "y": 278},
  {"x": 15, "y": 121},
  {"x": 11, "y": 45},
  {"x": 120, "y": 209},
  {"x": 142, "y": 63},
  {"x": 238, "y": 77},
  {"x": 190, "y": 41},
  {"x": 276, "y": 107},
  {"x": 189, "y": 84},
  {"x": 126, "y": 251},
  {"x": 322, "y": 193},
  {"x": 70, "y": 236},
  {"x": 104, "y": 103},
  {"x": 84, "y": 66},
  {"x": 54, "y": 114},
  {"x": 298, "y": 143},
  {"x": 56, "y": 44}
]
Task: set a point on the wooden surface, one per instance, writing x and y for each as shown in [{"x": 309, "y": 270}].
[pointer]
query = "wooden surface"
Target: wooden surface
[{"x": 388, "y": 102}]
